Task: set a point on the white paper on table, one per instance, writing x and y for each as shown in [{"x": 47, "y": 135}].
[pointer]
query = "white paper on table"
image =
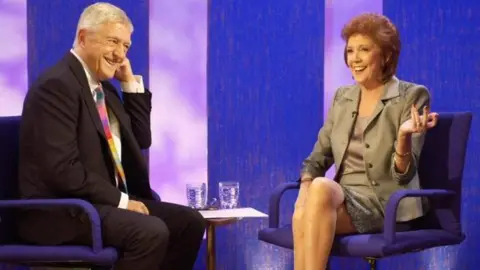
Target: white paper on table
[{"x": 233, "y": 213}]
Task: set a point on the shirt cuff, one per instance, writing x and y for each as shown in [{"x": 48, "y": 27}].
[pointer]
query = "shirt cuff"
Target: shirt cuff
[
  {"x": 123, "y": 201},
  {"x": 136, "y": 87}
]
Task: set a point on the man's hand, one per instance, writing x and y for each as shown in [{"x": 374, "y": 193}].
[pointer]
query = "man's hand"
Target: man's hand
[
  {"x": 124, "y": 73},
  {"x": 138, "y": 207}
]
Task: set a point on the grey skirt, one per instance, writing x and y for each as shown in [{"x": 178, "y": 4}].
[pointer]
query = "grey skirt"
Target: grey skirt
[{"x": 364, "y": 208}]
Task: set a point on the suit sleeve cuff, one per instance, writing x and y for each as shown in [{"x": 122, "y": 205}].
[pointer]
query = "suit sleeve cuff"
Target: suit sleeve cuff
[
  {"x": 123, "y": 204},
  {"x": 135, "y": 87},
  {"x": 407, "y": 169},
  {"x": 405, "y": 177}
]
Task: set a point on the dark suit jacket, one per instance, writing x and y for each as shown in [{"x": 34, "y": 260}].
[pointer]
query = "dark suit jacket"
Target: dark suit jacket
[{"x": 64, "y": 153}]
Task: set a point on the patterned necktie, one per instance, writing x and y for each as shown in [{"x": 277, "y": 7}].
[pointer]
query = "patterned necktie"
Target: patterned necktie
[{"x": 102, "y": 110}]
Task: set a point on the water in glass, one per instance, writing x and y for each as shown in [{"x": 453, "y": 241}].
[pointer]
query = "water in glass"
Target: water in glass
[
  {"x": 228, "y": 193},
  {"x": 197, "y": 195}
]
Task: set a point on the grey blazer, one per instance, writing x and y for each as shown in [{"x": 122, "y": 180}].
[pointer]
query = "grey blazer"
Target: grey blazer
[{"x": 380, "y": 138}]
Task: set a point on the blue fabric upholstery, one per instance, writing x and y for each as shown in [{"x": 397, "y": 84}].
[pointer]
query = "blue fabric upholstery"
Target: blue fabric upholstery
[
  {"x": 9, "y": 136},
  {"x": 368, "y": 245},
  {"x": 53, "y": 254},
  {"x": 441, "y": 173}
]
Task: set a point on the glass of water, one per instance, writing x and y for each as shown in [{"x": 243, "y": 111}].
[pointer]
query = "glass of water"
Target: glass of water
[
  {"x": 197, "y": 195},
  {"x": 228, "y": 193}
]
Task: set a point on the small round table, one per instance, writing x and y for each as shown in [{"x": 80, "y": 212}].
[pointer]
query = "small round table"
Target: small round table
[{"x": 212, "y": 223}]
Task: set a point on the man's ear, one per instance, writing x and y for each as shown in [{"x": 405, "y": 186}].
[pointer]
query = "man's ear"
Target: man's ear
[{"x": 81, "y": 36}]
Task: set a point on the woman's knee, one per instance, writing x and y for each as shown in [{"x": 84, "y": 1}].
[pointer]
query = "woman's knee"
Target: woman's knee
[{"x": 326, "y": 191}]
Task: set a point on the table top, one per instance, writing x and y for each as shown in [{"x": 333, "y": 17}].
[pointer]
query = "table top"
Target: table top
[{"x": 235, "y": 213}]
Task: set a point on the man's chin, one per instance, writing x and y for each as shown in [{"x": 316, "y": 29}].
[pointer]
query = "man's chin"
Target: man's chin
[{"x": 106, "y": 76}]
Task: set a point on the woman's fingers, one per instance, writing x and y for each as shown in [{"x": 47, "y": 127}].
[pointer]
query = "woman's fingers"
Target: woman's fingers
[
  {"x": 432, "y": 120},
  {"x": 415, "y": 118},
  {"x": 414, "y": 121},
  {"x": 425, "y": 116},
  {"x": 421, "y": 123}
]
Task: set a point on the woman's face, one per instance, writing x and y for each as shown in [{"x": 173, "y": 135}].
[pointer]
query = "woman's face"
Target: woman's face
[{"x": 364, "y": 59}]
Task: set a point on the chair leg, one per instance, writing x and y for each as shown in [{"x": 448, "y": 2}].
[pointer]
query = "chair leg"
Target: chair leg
[{"x": 372, "y": 262}]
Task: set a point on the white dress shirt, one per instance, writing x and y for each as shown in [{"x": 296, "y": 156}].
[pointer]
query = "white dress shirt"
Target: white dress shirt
[{"x": 132, "y": 87}]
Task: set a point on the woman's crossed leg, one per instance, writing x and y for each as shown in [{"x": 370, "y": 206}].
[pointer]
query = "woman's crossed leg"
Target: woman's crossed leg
[{"x": 319, "y": 214}]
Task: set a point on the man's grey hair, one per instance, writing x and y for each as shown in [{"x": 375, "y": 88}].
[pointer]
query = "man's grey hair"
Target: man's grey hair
[{"x": 101, "y": 13}]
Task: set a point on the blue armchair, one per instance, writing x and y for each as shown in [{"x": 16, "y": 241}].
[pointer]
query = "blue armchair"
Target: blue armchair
[
  {"x": 441, "y": 172},
  {"x": 12, "y": 250}
]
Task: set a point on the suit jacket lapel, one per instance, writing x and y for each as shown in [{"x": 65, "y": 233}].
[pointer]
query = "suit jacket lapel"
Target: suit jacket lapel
[
  {"x": 77, "y": 69},
  {"x": 347, "y": 122},
  {"x": 351, "y": 111},
  {"x": 390, "y": 91},
  {"x": 114, "y": 104}
]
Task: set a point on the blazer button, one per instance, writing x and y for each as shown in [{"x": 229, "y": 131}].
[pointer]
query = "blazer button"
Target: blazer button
[
  {"x": 370, "y": 165},
  {"x": 367, "y": 145}
]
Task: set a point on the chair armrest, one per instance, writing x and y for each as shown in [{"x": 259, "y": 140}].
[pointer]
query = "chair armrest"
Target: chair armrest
[
  {"x": 394, "y": 201},
  {"x": 97, "y": 244},
  {"x": 274, "y": 204}
]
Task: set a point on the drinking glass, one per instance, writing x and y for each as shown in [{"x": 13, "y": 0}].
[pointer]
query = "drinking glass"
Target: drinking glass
[
  {"x": 228, "y": 193},
  {"x": 197, "y": 195}
]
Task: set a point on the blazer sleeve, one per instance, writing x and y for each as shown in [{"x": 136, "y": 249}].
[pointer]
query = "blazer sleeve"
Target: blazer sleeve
[
  {"x": 321, "y": 157},
  {"x": 55, "y": 128},
  {"x": 139, "y": 107},
  {"x": 419, "y": 96}
]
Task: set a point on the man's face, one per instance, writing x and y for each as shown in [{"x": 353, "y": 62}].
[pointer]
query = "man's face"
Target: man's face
[{"x": 105, "y": 48}]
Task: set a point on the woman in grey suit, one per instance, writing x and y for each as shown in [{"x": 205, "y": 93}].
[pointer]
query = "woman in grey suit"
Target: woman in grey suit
[{"x": 373, "y": 134}]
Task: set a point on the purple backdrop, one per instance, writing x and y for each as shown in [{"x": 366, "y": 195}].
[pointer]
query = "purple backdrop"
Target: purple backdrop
[
  {"x": 13, "y": 56},
  {"x": 336, "y": 74},
  {"x": 178, "y": 63}
]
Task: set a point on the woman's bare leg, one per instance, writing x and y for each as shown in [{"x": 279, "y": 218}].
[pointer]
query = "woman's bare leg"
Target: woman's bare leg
[
  {"x": 324, "y": 202},
  {"x": 298, "y": 226}
]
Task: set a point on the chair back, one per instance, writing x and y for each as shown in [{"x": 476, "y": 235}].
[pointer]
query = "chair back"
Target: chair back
[
  {"x": 9, "y": 151},
  {"x": 441, "y": 167}
]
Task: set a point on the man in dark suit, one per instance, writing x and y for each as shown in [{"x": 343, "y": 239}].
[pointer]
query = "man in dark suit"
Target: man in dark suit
[{"x": 80, "y": 140}]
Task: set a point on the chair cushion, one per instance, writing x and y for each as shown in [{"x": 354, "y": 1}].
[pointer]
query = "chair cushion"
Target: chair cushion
[
  {"x": 34, "y": 254},
  {"x": 370, "y": 245}
]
